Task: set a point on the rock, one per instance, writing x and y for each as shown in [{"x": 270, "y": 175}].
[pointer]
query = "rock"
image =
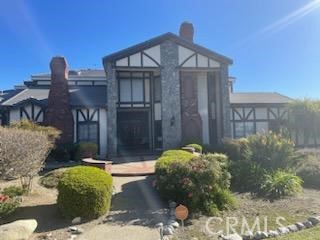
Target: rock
[
  {"x": 18, "y": 230},
  {"x": 76, "y": 230},
  {"x": 273, "y": 234},
  {"x": 248, "y": 235},
  {"x": 172, "y": 204},
  {"x": 314, "y": 219},
  {"x": 308, "y": 224},
  {"x": 159, "y": 225},
  {"x": 173, "y": 223},
  {"x": 232, "y": 237},
  {"x": 172, "y": 213},
  {"x": 168, "y": 230},
  {"x": 293, "y": 228},
  {"x": 283, "y": 230},
  {"x": 260, "y": 235},
  {"x": 76, "y": 220},
  {"x": 300, "y": 225}
]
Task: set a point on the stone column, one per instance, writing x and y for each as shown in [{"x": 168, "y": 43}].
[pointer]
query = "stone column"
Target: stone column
[
  {"x": 225, "y": 100},
  {"x": 58, "y": 113},
  {"x": 170, "y": 98},
  {"x": 112, "y": 98}
]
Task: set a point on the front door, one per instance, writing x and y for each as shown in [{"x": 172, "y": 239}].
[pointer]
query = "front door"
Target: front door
[{"x": 133, "y": 130}]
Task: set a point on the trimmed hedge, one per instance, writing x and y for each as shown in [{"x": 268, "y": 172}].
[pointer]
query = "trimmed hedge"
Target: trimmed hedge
[
  {"x": 309, "y": 171},
  {"x": 197, "y": 147},
  {"x": 201, "y": 183},
  {"x": 84, "y": 192}
]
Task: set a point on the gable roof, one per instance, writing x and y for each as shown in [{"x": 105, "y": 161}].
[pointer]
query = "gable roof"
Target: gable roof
[
  {"x": 159, "y": 39},
  {"x": 79, "y": 96},
  {"x": 259, "y": 98}
]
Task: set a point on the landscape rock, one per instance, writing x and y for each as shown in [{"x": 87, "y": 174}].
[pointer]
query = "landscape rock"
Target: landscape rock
[
  {"x": 172, "y": 204},
  {"x": 273, "y": 234},
  {"x": 232, "y": 237},
  {"x": 300, "y": 225},
  {"x": 18, "y": 230},
  {"x": 283, "y": 230},
  {"x": 248, "y": 235},
  {"x": 173, "y": 223},
  {"x": 314, "y": 219},
  {"x": 168, "y": 230},
  {"x": 293, "y": 228},
  {"x": 260, "y": 235},
  {"x": 76, "y": 230},
  {"x": 308, "y": 224},
  {"x": 76, "y": 220}
]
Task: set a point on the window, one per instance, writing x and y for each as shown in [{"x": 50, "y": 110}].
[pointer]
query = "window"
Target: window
[
  {"x": 125, "y": 90},
  {"x": 137, "y": 90},
  {"x": 262, "y": 127},
  {"x": 157, "y": 89},
  {"x": 88, "y": 132},
  {"x": 243, "y": 129},
  {"x": 249, "y": 128}
]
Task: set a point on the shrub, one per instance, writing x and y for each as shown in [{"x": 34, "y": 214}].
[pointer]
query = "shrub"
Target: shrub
[
  {"x": 84, "y": 192},
  {"x": 64, "y": 152},
  {"x": 13, "y": 191},
  {"x": 52, "y": 133},
  {"x": 280, "y": 183},
  {"x": 170, "y": 156},
  {"x": 272, "y": 151},
  {"x": 51, "y": 179},
  {"x": 86, "y": 150},
  {"x": 197, "y": 147},
  {"x": 236, "y": 149},
  {"x": 8, "y": 205},
  {"x": 309, "y": 171},
  {"x": 201, "y": 183},
  {"x": 22, "y": 154}
]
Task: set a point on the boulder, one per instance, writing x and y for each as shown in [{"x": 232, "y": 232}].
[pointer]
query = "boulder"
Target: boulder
[
  {"x": 248, "y": 235},
  {"x": 173, "y": 223},
  {"x": 18, "y": 230},
  {"x": 300, "y": 225},
  {"x": 308, "y": 224},
  {"x": 314, "y": 219},
  {"x": 260, "y": 235},
  {"x": 172, "y": 205},
  {"x": 293, "y": 228},
  {"x": 168, "y": 230},
  {"x": 232, "y": 237},
  {"x": 76, "y": 220},
  {"x": 273, "y": 234},
  {"x": 283, "y": 230}
]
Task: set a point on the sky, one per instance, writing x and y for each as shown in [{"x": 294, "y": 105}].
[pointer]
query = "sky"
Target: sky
[{"x": 274, "y": 43}]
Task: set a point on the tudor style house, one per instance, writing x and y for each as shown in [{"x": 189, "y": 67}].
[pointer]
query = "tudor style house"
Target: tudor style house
[{"x": 152, "y": 96}]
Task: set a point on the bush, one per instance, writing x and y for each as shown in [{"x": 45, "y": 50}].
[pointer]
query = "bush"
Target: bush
[
  {"x": 309, "y": 171},
  {"x": 197, "y": 147},
  {"x": 52, "y": 178},
  {"x": 272, "y": 151},
  {"x": 84, "y": 192},
  {"x": 236, "y": 149},
  {"x": 280, "y": 184},
  {"x": 64, "y": 152},
  {"x": 201, "y": 183},
  {"x": 13, "y": 191},
  {"x": 86, "y": 150},
  {"x": 22, "y": 154},
  {"x": 8, "y": 205}
]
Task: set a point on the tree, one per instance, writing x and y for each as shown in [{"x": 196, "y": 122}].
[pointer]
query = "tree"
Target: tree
[{"x": 22, "y": 154}]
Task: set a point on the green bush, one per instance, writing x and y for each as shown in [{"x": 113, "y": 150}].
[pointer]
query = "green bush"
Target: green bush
[
  {"x": 52, "y": 178},
  {"x": 84, "y": 192},
  {"x": 201, "y": 183},
  {"x": 236, "y": 149},
  {"x": 280, "y": 184},
  {"x": 86, "y": 150},
  {"x": 272, "y": 151},
  {"x": 13, "y": 191},
  {"x": 309, "y": 171},
  {"x": 197, "y": 147},
  {"x": 64, "y": 152},
  {"x": 8, "y": 205}
]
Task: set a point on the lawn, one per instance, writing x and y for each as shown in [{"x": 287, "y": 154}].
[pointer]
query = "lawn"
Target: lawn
[
  {"x": 313, "y": 234},
  {"x": 293, "y": 209}
]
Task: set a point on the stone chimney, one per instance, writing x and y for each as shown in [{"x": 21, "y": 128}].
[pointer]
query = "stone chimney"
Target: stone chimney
[
  {"x": 186, "y": 31},
  {"x": 58, "y": 113}
]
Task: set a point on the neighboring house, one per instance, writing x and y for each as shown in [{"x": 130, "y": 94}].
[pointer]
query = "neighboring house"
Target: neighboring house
[{"x": 153, "y": 96}]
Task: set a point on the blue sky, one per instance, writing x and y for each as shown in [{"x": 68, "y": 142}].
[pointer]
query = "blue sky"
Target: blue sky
[{"x": 274, "y": 43}]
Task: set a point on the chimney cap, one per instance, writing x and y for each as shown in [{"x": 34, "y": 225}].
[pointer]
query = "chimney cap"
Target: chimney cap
[{"x": 186, "y": 31}]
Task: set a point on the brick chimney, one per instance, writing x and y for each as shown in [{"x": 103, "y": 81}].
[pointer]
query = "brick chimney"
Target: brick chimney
[
  {"x": 58, "y": 113},
  {"x": 186, "y": 31}
]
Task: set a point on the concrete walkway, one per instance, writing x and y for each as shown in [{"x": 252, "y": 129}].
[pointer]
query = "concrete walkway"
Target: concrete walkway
[{"x": 136, "y": 209}]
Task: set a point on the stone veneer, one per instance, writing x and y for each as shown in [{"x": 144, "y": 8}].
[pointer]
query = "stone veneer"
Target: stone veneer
[
  {"x": 112, "y": 109},
  {"x": 170, "y": 90}
]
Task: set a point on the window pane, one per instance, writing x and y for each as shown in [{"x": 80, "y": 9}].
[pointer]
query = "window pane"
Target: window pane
[
  {"x": 157, "y": 89},
  {"x": 137, "y": 90},
  {"x": 93, "y": 132},
  {"x": 239, "y": 129},
  {"x": 125, "y": 90},
  {"x": 249, "y": 128},
  {"x": 83, "y": 132}
]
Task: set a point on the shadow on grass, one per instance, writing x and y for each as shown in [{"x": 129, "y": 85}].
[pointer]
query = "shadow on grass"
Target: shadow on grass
[
  {"x": 138, "y": 203},
  {"x": 47, "y": 216}
]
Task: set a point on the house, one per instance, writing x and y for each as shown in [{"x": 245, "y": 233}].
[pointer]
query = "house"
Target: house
[{"x": 152, "y": 96}]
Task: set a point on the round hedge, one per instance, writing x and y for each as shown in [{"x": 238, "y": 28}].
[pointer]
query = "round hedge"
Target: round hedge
[{"x": 85, "y": 192}]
